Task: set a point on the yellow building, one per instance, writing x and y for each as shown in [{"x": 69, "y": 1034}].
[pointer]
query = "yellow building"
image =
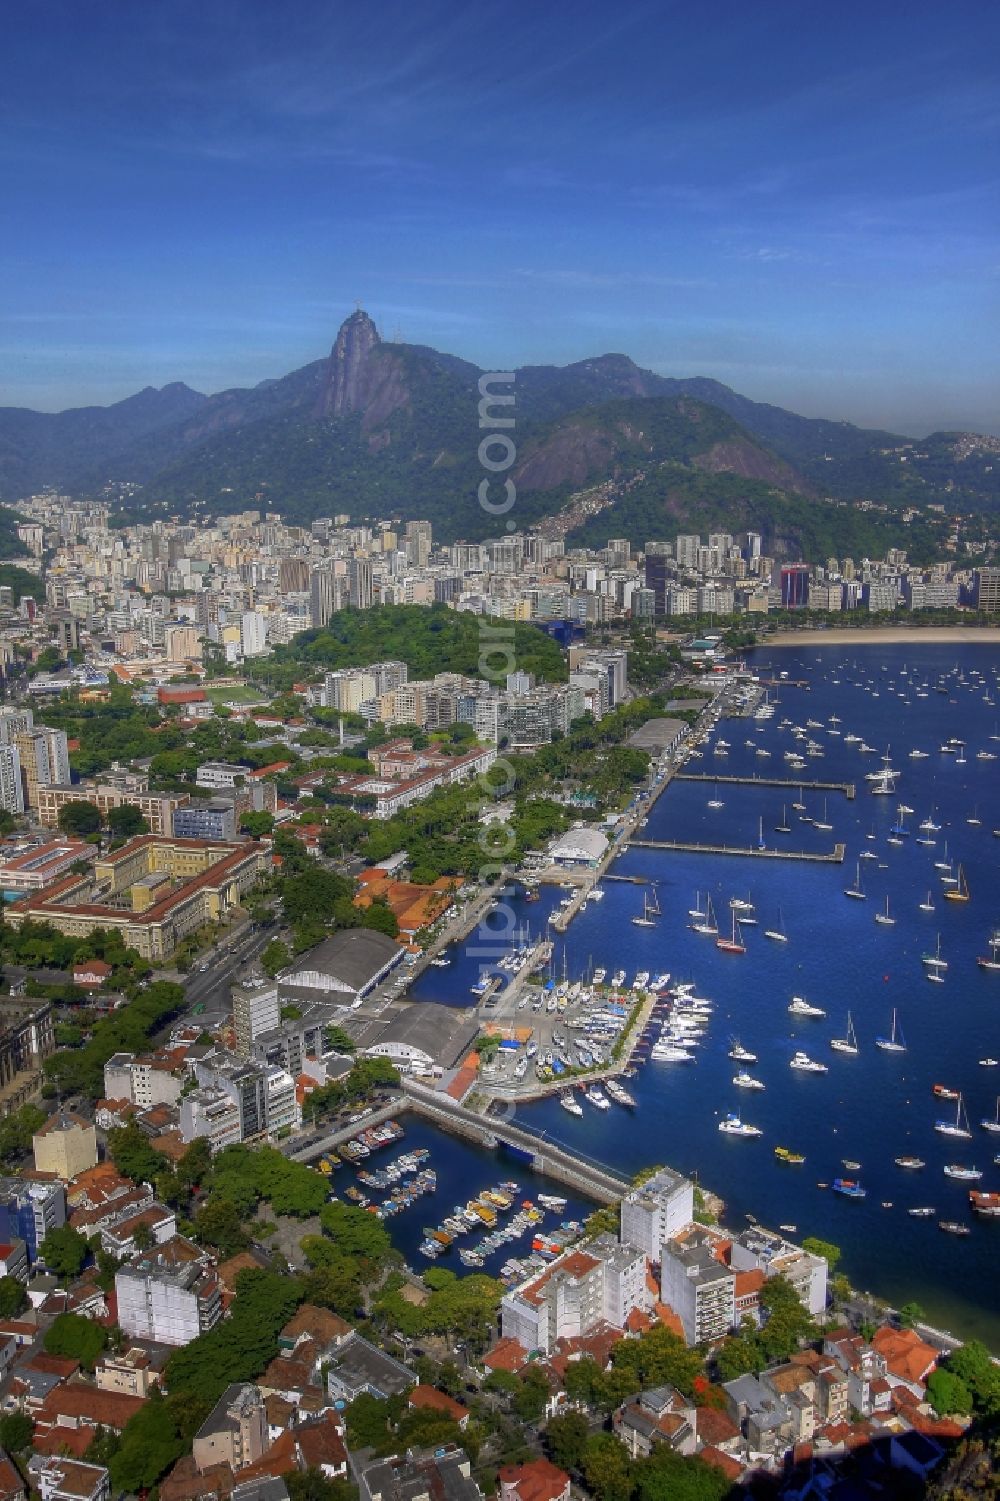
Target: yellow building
[
  {"x": 154, "y": 891},
  {"x": 66, "y": 1145}
]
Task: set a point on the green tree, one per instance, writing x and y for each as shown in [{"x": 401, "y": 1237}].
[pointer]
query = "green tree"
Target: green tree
[
  {"x": 971, "y": 1363},
  {"x": 313, "y": 1485},
  {"x": 910, "y": 1314},
  {"x": 217, "y": 1224},
  {"x": 607, "y": 1468},
  {"x": 257, "y": 825},
  {"x": 13, "y": 1297},
  {"x": 132, "y": 1154},
  {"x": 532, "y": 1395},
  {"x": 196, "y": 1164},
  {"x": 16, "y": 1432},
  {"x": 64, "y": 1252},
  {"x": 666, "y": 1476},
  {"x": 79, "y": 818},
  {"x": 275, "y": 957},
  {"x": 824, "y": 1248},
  {"x": 239, "y": 1348},
  {"x": 657, "y": 1359},
  {"x": 948, "y": 1393},
  {"x": 739, "y": 1354},
  {"x": 368, "y": 1421},
  {"x": 150, "y": 1443},
  {"x": 788, "y": 1322},
  {"x": 79, "y": 1338},
  {"x": 565, "y": 1438},
  {"x": 127, "y": 821}
]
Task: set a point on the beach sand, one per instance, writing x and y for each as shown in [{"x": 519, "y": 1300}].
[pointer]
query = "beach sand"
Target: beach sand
[{"x": 887, "y": 635}]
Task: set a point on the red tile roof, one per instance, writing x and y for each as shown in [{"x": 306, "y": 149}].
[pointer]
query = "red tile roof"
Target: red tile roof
[
  {"x": 506, "y": 1355},
  {"x": 730, "y": 1467},
  {"x": 538, "y": 1480},
  {"x": 429, "y": 1397}
]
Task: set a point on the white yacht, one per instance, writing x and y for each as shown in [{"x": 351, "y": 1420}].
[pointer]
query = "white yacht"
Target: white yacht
[
  {"x": 733, "y": 1126},
  {"x": 801, "y": 1007},
  {"x": 807, "y": 1065},
  {"x": 743, "y": 1080}
]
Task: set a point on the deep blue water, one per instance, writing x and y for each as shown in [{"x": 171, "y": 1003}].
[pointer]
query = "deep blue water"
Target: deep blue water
[{"x": 872, "y": 1107}]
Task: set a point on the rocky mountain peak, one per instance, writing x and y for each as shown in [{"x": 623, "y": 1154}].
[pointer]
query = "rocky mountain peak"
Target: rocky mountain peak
[{"x": 346, "y": 384}]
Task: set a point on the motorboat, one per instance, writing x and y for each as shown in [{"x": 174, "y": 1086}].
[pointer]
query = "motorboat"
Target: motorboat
[
  {"x": 734, "y": 1126},
  {"x": 807, "y": 1065},
  {"x": 801, "y": 1007}
]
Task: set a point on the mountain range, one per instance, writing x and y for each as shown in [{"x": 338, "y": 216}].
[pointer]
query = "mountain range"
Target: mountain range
[{"x": 384, "y": 429}]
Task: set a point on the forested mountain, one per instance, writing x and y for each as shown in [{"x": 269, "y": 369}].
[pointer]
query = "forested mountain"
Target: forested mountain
[{"x": 383, "y": 429}]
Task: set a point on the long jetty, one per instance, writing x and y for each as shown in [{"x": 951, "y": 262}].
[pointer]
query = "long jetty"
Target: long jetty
[
  {"x": 847, "y": 788},
  {"x": 587, "y": 1177},
  {"x": 835, "y": 856}
]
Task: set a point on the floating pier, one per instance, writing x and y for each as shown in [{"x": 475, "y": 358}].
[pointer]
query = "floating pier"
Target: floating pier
[
  {"x": 847, "y": 788},
  {"x": 835, "y": 857}
]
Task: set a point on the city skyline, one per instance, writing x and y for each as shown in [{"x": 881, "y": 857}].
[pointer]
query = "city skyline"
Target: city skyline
[{"x": 807, "y": 213}]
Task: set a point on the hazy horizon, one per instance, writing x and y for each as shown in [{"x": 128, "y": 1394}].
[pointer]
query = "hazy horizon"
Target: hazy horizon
[{"x": 801, "y": 205}]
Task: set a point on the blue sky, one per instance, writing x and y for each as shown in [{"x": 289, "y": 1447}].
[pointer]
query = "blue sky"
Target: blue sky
[{"x": 798, "y": 199}]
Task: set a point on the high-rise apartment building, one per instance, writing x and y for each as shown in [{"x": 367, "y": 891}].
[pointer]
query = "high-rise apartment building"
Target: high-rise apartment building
[
  {"x": 11, "y": 787},
  {"x": 359, "y": 582},
  {"x": 44, "y": 755}
]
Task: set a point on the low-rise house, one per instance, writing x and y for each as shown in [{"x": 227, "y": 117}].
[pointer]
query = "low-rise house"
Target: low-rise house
[
  {"x": 445, "y": 1475},
  {"x": 72, "y": 1406},
  {"x": 429, "y": 1399},
  {"x": 536, "y": 1480},
  {"x": 155, "y": 1224},
  {"x": 320, "y": 1445},
  {"x": 11, "y": 1484},
  {"x": 59, "y": 1479},
  {"x": 908, "y": 1359},
  {"x": 356, "y": 1366},
  {"x": 657, "y": 1416},
  {"x": 868, "y": 1390},
  {"x": 130, "y": 1374}
]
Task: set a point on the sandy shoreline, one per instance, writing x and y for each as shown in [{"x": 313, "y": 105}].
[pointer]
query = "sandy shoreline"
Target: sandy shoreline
[{"x": 886, "y": 635}]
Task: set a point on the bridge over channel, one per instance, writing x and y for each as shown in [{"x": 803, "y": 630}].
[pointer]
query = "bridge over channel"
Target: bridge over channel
[{"x": 545, "y": 1156}]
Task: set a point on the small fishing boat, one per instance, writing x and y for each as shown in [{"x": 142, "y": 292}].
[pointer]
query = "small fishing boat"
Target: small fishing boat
[
  {"x": 913, "y": 1164},
  {"x": 849, "y": 1188}
]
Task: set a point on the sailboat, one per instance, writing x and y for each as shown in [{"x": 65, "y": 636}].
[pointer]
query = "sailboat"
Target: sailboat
[
  {"x": 960, "y": 1125},
  {"x": 784, "y": 827},
  {"x": 960, "y": 891},
  {"x": 992, "y": 959},
  {"x": 928, "y": 905},
  {"x": 649, "y": 914},
  {"x": 716, "y": 801},
  {"x": 884, "y": 918},
  {"x": 760, "y": 836},
  {"x": 778, "y": 934},
  {"x": 934, "y": 962},
  {"x": 697, "y": 911},
  {"x": 733, "y": 945},
  {"x": 707, "y": 923},
  {"x": 823, "y": 823},
  {"x": 848, "y": 1044},
  {"x": 894, "y": 1043},
  {"x": 988, "y": 1123},
  {"x": 856, "y": 891},
  {"x": 899, "y": 827}
]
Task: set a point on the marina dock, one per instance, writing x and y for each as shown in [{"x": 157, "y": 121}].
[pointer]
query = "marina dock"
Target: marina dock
[
  {"x": 835, "y": 857},
  {"x": 847, "y": 788}
]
